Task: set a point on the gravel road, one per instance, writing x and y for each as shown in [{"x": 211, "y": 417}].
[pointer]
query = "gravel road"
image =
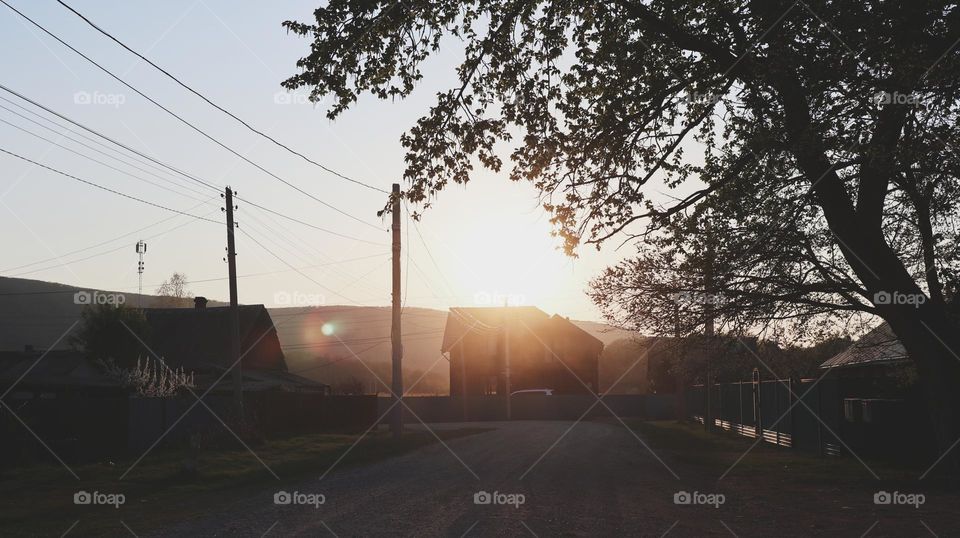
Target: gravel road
[{"x": 599, "y": 480}]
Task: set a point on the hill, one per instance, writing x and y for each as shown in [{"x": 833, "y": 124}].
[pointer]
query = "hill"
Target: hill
[{"x": 345, "y": 346}]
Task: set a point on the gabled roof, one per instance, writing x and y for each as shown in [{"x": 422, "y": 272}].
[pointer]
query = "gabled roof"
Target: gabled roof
[
  {"x": 570, "y": 326},
  {"x": 490, "y": 320},
  {"x": 197, "y": 338},
  {"x": 878, "y": 346}
]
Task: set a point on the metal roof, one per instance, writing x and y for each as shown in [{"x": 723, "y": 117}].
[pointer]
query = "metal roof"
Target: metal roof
[{"x": 878, "y": 346}]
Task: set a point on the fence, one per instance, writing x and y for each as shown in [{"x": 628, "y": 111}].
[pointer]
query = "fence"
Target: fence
[
  {"x": 816, "y": 416},
  {"x": 84, "y": 427},
  {"x": 556, "y": 407}
]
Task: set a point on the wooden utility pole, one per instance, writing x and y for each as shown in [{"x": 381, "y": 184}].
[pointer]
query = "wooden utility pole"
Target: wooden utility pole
[
  {"x": 234, "y": 308},
  {"x": 396, "y": 419},
  {"x": 506, "y": 362},
  {"x": 708, "y": 328}
]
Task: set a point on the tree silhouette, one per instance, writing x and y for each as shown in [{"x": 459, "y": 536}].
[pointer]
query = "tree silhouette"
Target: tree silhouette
[
  {"x": 112, "y": 334},
  {"x": 813, "y": 140}
]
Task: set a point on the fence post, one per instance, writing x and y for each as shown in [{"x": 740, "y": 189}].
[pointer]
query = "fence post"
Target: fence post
[
  {"x": 791, "y": 407},
  {"x": 757, "y": 417},
  {"x": 776, "y": 412},
  {"x": 720, "y": 404},
  {"x": 740, "y": 397}
]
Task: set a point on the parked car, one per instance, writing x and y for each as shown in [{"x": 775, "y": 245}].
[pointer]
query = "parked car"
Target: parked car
[{"x": 532, "y": 392}]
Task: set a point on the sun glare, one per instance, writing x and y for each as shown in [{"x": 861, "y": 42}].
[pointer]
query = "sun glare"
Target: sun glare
[{"x": 511, "y": 262}]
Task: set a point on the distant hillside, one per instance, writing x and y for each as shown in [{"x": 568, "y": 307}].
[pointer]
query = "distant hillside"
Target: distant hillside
[{"x": 37, "y": 313}]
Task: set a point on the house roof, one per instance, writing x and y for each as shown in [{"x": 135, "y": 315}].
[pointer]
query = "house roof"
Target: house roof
[
  {"x": 491, "y": 320},
  {"x": 53, "y": 368},
  {"x": 259, "y": 380},
  {"x": 198, "y": 338},
  {"x": 878, "y": 346}
]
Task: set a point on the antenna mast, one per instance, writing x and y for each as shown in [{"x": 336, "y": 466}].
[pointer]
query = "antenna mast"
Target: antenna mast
[{"x": 141, "y": 250}]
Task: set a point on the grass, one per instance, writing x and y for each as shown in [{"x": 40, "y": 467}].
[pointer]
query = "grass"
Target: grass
[
  {"x": 38, "y": 499},
  {"x": 715, "y": 453}
]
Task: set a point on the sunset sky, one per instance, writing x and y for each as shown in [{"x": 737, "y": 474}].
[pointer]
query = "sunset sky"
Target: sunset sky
[{"x": 489, "y": 242}]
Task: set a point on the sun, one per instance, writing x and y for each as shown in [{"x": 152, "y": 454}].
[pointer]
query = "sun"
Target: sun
[{"x": 513, "y": 263}]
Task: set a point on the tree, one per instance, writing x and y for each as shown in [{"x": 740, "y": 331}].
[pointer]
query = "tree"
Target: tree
[
  {"x": 816, "y": 139},
  {"x": 112, "y": 334},
  {"x": 174, "y": 290}
]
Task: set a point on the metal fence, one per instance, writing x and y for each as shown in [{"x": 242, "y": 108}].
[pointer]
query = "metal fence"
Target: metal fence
[{"x": 803, "y": 414}]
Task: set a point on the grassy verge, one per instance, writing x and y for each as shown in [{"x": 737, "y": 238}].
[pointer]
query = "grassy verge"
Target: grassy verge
[
  {"x": 38, "y": 500},
  {"x": 715, "y": 453}
]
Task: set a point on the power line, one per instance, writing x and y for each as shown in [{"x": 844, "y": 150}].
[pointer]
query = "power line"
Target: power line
[
  {"x": 101, "y": 152},
  {"x": 218, "y": 107},
  {"x": 248, "y": 275},
  {"x": 184, "y": 121},
  {"x": 75, "y": 152},
  {"x": 307, "y": 224},
  {"x": 168, "y": 166},
  {"x": 103, "y": 136},
  {"x": 92, "y": 184},
  {"x": 285, "y": 262},
  {"x": 97, "y": 255}
]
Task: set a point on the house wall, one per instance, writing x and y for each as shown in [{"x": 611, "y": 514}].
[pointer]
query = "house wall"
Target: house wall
[{"x": 555, "y": 360}]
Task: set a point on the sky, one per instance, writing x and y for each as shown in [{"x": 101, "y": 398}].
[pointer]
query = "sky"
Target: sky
[{"x": 484, "y": 244}]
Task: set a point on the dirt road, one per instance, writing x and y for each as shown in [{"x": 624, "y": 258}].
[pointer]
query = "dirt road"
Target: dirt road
[{"x": 599, "y": 480}]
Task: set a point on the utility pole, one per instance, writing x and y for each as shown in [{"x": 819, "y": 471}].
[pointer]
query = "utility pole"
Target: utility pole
[
  {"x": 234, "y": 307},
  {"x": 708, "y": 327},
  {"x": 141, "y": 250},
  {"x": 396, "y": 419},
  {"x": 506, "y": 358}
]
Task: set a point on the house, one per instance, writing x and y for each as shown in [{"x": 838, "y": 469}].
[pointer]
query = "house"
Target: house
[
  {"x": 875, "y": 367},
  {"x": 543, "y": 351},
  {"x": 876, "y": 349},
  {"x": 198, "y": 340},
  {"x": 883, "y": 410},
  {"x": 42, "y": 374}
]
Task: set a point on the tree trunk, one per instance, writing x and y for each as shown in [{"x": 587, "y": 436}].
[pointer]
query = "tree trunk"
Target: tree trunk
[{"x": 932, "y": 341}]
